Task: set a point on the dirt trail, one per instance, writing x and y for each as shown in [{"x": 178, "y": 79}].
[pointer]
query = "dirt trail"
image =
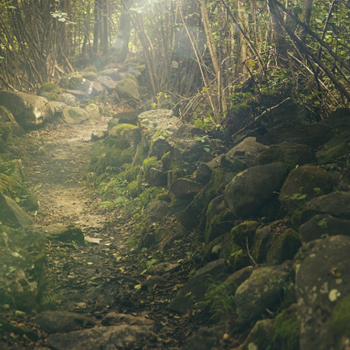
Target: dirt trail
[
  {"x": 75, "y": 275},
  {"x": 100, "y": 276}
]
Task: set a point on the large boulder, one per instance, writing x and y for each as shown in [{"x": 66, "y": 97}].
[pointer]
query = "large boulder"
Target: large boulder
[
  {"x": 323, "y": 225},
  {"x": 68, "y": 99},
  {"x": 336, "y": 203},
  {"x": 289, "y": 153},
  {"x": 304, "y": 183},
  {"x": 251, "y": 188},
  {"x": 30, "y": 111},
  {"x": 261, "y": 291},
  {"x": 61, "y": 233},
  {"x": 107, "y": 82},
  {"x": 322, "y": 290}
]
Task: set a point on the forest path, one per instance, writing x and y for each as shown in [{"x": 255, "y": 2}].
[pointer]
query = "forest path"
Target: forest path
[
  {"x": 87, "y": 279},
  {"x": 100, "y": 276}
]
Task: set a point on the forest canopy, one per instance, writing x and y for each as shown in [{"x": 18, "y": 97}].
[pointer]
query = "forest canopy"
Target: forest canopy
[{"x": 220, "y": 55}]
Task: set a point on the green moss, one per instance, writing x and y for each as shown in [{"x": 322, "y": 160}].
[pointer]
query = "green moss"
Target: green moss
[
  {"x": 166, "y": 160},
  {"x": 286, "y": 330},
  {"x": 340, "y": 320},
  {"x": 335, "y": 154},
  {"x": 151, "y": 193},
  {"x": 134, "y": 188},
  {"x": 243, "y": 232},
  {"x": 129, "y": 174},
  {"x": 11, "y": 188},
  {"x": 49, "y": 87},
  {"x": 74, "y": 82},
  {"x": 119, "y": 129},
  {"x": 148, "y": 163},
  {"x": 12, "y": 168},
  {"x": 164, "y": 196},
  {"x": 90, "y": 69}
]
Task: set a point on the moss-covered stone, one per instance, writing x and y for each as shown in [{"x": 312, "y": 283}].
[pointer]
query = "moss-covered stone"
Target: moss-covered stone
[
  {"x": 22, "y": 267},
  {"x": 340, "y": 320},
  {"x": 304, "y": 183},
  {"x": 286, "y": 330},
  {"x": 335, "y": 154},
  {"x": 13, "y": 189},
  {"x": 262, "y": 243},
  {"x": 147, "y": 164},
  {"x": 75, "y": 82},
  {"x": 134, "y": 188},
  {"x": 119, "y": 130},
  {"x": 260, "y": 337},
  {"x": 111, "y": 154},
  {"x": 50, "y": 91},
  {"x": 291, "y": 154},
  {"x": 244, "y": 233},
  {"x": 14, "y": 169},
  {"x": 284, "y": 247},
  {"x": 219, "y": 219}
]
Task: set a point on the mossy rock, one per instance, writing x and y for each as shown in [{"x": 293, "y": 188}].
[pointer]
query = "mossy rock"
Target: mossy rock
[
  {"x": 111, "y": 154},
  {"x": 260, "y": 337},
  {"x": 149, "y": 194},
  {"x": 303, "y": 184},
  {"x": 22, "y": 268},
  {"x": 148, "y": 163},
  {"x": 340, "y": 319},
  {"x": 49, "y": 87},
  {"x": 286, "y": 330},
  {"x": 334, "y": 155},
  {"x": 75, "y": 82},
  {"x": 14, "y": 169},
  {"x": 135, "y": 188},
  {"x": 291, "y": 154},
  {"x": 119, "y": 130},
  {"x": 262, "y": 243},
  {"x": 244, "y": 233},
  {"x": 219, "y": 220},
  {"x": 129, "y": 174},
  {"x": 13, "y": 189},
  {"x": 284, "y": 247}
]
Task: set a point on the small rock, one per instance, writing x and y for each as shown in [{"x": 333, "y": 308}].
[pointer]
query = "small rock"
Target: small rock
[
  {"x": 114, "y": 319},
  {"x": 62, "y": 321},
  {"x": 162, "y": 268}
]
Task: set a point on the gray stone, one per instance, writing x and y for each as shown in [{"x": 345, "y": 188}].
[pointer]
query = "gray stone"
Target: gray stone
[
  {"x": 260, "y": 337},
  {"x": 97, "y": 88},
  {"x": 244, "y": 155},
  {"x": 62, "y": 233},
  {"x": 62, "y": 321},
  {"x": 204, "y": 173},
  {"x": 157, "y": 211},
  {"x": 184, "y": 188},
  {"x": 157, "y": 177},
  {"x": 262, "y": 243},
  {"x": 12, "y": 214},
  {"x": 56, "y": 109},
  {"x": 302, "y": 182},
  {"x": 162, "y": 268},
  {"x": 284, "y": 246},
  {"x": 322, "y": 281},
  {"x": 251, "y": 188},
  {"x": 30, "y": 111},
  {"x": 128, "y": 88},
  {"x": 233, "y": 281},
  {"x": 107, "y": 82},
  {"x": 122, "y": 336},
  {"x": 335, "y": 203},
  {"x": 74, "y": 115},
  {"x": 197, "y": 286},
  {"x": 92, "y": 110},
  {"x": 323, "y": 225},
  {"x": 153, "y": 282},
  {"x": 8, "y": 124},
  {"x": 68, "y": 99},
  {"x": 261, "y": 291}
]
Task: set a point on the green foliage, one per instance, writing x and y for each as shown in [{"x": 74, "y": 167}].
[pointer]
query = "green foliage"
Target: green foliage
[{"x": 340, "y": 319}]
